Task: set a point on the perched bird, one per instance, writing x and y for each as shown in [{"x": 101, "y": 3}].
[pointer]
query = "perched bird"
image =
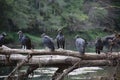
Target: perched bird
[
  {"x": 98, "y": 45},
  {"x": 80, "y": 44},
  {"x": 60, "y": 40},
  {"x": 25, "y": 40},
  {"x": 2, "y": 38},
  {"x": 48, "y": 42},
  {"x": 106, "y": 41}
]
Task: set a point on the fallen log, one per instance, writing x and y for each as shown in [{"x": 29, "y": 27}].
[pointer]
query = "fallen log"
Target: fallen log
[
  {"x": 58, "y": 72},
  {"x": 19, "y": 65},
  {"x": 65, "y": 61},
  {"x": 29, "y": 71},
  {"x": 68, "y": 71},
  {"x": 7, "y": 51},
  {"x": 57, "y": 62}
]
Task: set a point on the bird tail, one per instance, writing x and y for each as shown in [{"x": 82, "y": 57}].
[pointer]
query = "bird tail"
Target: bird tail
[
  {"x": 28, "y": 44},
  {"x": 53, "y": 49}
]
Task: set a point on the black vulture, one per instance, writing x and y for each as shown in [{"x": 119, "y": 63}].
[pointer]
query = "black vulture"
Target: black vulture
[
  {"x": 80, "y": 44},
  {"x": 111, "y": 42},
  {"x": 25, "y": 40},
  {"x": 48, "y": 42},
  {"x": 60, "y": 40},
  {"x": 2, "y": 38},
  {"x": 106, "y": 41},
  {"x": 98, "y": 45}
]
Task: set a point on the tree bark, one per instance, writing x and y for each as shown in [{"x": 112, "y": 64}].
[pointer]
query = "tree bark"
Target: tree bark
[
  {"x": 19, "y": 65},
  {"x": 30, "y": 70},
  {"x": 68, "y": 71},
  {"x": 66, "y": 59},
  {"x": 58, "y": 62},
  {"x": 8, "y": 51},
  {"x": 58, "y": 72}
]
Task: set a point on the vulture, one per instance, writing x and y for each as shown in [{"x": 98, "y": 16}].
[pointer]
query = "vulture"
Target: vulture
[
  {"x": 2, "y": 39},
  {"x": 98, "y": 45},
  {"x": 60, "y": 40},
  {"x": 48, "y": 42},
  {"x": 80, "y": 44},
  {"x": 24, "y": 40}
]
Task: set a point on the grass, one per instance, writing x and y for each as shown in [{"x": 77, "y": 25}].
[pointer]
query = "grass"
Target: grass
[
  {"x": 36, "y": 41},
  {"x": 13, "y": 39}
]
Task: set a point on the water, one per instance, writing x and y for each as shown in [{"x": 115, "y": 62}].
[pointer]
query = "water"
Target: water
[
  {"x": 78, "y": 74},
  {"x": 84, "y": 73}
]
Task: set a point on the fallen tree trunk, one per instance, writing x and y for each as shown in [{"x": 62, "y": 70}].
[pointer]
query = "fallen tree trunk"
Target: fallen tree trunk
[
  {"x": 19, "y": 65},
  {"x": 57, "y": 62},
  {"x": 5, "y": 51},
  {"x": 66, "y": 59},
  {"x": 30, "y": 70},
  {"x": 8, "y": 51},
  {"x": 57, "y": 73},
  {"x": 68, "y": 71}
]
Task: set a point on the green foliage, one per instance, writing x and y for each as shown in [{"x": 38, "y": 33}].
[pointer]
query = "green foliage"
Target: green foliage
[
  {"x": 20, "y": 14},
  {"x": 47, "y": 15},
  {"x": 36, "y": 40},
  {"x": 12, "y": 38},
  {"x": 50, "y": 14},
  {"x": 98, "y": 14},
  {"x": 95, "y": 33},
  {"x": 4, "y": 8},
  {"x": 44, "y": 15}
]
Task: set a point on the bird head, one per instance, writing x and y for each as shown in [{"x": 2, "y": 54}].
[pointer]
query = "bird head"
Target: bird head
[
  {"x": 19, "y": 32},
  {"x": 77, "y": 36},
  {"x": 4, "y": 34},
  {"x": 43, "y": 35}
]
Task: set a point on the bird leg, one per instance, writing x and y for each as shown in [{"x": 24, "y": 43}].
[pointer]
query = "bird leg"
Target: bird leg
[{"x": 24, "y": 47}]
